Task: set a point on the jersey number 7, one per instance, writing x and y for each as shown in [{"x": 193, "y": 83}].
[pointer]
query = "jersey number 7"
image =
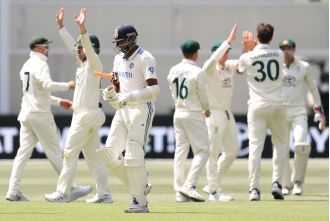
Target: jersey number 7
[{"x": 26, "y": 82}]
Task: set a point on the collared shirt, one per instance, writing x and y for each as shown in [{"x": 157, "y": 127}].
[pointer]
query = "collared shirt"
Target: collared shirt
[
  {"x": 87, "y": 90},
  {"x": 135, "y": 70},
  {"x": 38, "y": 85},
  {"x": 220, "y": 83},
  {"x": 263, "y": 67},
  {"x": 188, "y": 87},
  {"x": 296, "y": 80}
]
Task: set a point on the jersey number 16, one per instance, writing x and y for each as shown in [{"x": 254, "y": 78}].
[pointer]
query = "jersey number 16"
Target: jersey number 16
[{"x": 181, "y": 88}]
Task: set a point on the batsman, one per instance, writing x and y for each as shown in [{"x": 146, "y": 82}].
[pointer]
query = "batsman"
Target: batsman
[{"x": 133, "y": 96}]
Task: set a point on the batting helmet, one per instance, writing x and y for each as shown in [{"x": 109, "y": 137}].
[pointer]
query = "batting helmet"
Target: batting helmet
[{"x": 125, "y": 32}]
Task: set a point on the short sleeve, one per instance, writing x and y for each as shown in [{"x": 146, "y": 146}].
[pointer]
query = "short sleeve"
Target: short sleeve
[{"x": 149, "y": 68}]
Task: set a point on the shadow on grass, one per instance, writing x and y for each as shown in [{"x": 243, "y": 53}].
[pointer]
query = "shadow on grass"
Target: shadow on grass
[
  {"x": 186, "y": 212},
  {"x": 27, "y": 213}
]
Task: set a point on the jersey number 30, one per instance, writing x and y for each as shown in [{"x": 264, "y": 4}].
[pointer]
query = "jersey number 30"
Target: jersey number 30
[
  {"x": 268, "y": 71},
  {"x": 181, "y": 88}
]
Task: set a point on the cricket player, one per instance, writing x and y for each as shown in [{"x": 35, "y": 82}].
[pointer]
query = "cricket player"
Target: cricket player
[
  {"x": 296, "y": 80},
  {"x": 263, "y": 68},
  {"x": 133, "y": 96},
  {"x": 87, "y": 118},
  {"x": 188, "y": 87},
  {"x": 36, "y": 120},
  {"x": 221, "y": 124}
]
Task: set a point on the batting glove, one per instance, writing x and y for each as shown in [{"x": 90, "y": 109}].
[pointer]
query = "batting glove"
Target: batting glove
[
  {"x": 120, "y": 101},
  {"x": 319, "y": 116},
  {"x": 109, "y": 95}
]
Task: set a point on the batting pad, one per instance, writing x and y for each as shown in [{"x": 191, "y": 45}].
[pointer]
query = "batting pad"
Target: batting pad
[
  {"x": 301, "y": 156},
  {"x": 136, "y": 171},
  {"x": 114, "y": 162}
]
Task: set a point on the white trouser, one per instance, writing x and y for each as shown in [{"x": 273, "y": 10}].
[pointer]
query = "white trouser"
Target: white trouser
[
  {"x": 37, "y": 127},
  {"x": 223, "y": 139},
  {"x": 297, "y": 122},
  {"x": 189, "y": 132},
  {"x": 272, "y": 116},
  {"x": 129, "y": 131},
  {"x": 83, "y": 135}
]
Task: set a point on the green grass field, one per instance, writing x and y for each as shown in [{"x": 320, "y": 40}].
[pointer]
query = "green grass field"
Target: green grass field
[{"x": 40, "y": 178}]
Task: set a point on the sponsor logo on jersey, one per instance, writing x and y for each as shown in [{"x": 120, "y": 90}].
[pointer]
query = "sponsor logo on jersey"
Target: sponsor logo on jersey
[
  {"x": 289, "y": 81},
  {"x": 125, "y": 74},
  {"x": 151, "y": 70},
  {"x": 131, "y": 65}
]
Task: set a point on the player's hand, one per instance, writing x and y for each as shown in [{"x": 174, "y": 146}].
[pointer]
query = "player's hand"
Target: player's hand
[
  {"x": 319, "y": 116},
  {"x": 232, "y": 36},
  {"x": 72, "y": 85},
  {"x": 109, "y": 94},
  {"x": 249, "y": 42},
  {"x": 59, "y": 18},
  {"x": 67, "y": 104},
  {"x": 118, "y": 103},
  {"x": 80, "y": 19},
  {"x": 207, "y": 113}
]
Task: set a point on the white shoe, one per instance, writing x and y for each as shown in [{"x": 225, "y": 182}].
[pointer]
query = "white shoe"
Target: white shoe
[
  {"x": 191, "y": 193},
  {"x": 147, "y": 189},
  {"x": 181, "y": 199},
  {"x": 107, "y": 198},
  {"x": 16, "y": 196},
  {"x": 285, "y": 191},
  {"x": 297, "y": 189},
  {"x": 277, "y": 191},
  {"x": 80, "y": 191},
  {"x": 254, "y": 194},
  {"x": 136, "y": 208},
  {"x": 220, "y": 196},
  {"x": 206, "y": 189},
  {"x": 57, "y": 197}
]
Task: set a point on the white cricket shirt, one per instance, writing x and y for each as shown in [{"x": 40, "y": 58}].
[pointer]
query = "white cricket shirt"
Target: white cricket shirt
[
  {"x": 87, "y": 90},
  {"x": 263, "y": 66},
  {"x": 38, "y": 85},
  {"x": 220, "y": 83},
  {"x": 296, "y": 81},
  {"x": 188, "y": 87},
  {"x": 135, "y": 70}
]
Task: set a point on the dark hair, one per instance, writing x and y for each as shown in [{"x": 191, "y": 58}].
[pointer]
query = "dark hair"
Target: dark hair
[{"x": 265, "y": 33}]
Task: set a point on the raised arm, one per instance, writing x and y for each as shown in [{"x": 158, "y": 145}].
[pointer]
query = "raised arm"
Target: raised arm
[
  {"x": 92, "y": 57},
  {"x": 65, "y": 35},
  {"x": 211, "y": 63}
]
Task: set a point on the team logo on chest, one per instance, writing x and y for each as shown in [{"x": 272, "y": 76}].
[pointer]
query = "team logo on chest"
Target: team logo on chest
[
  {"x": 226, "y": 82},
  {"x": 131, "y": 65},
  {"x": 289, "y": 81}
]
